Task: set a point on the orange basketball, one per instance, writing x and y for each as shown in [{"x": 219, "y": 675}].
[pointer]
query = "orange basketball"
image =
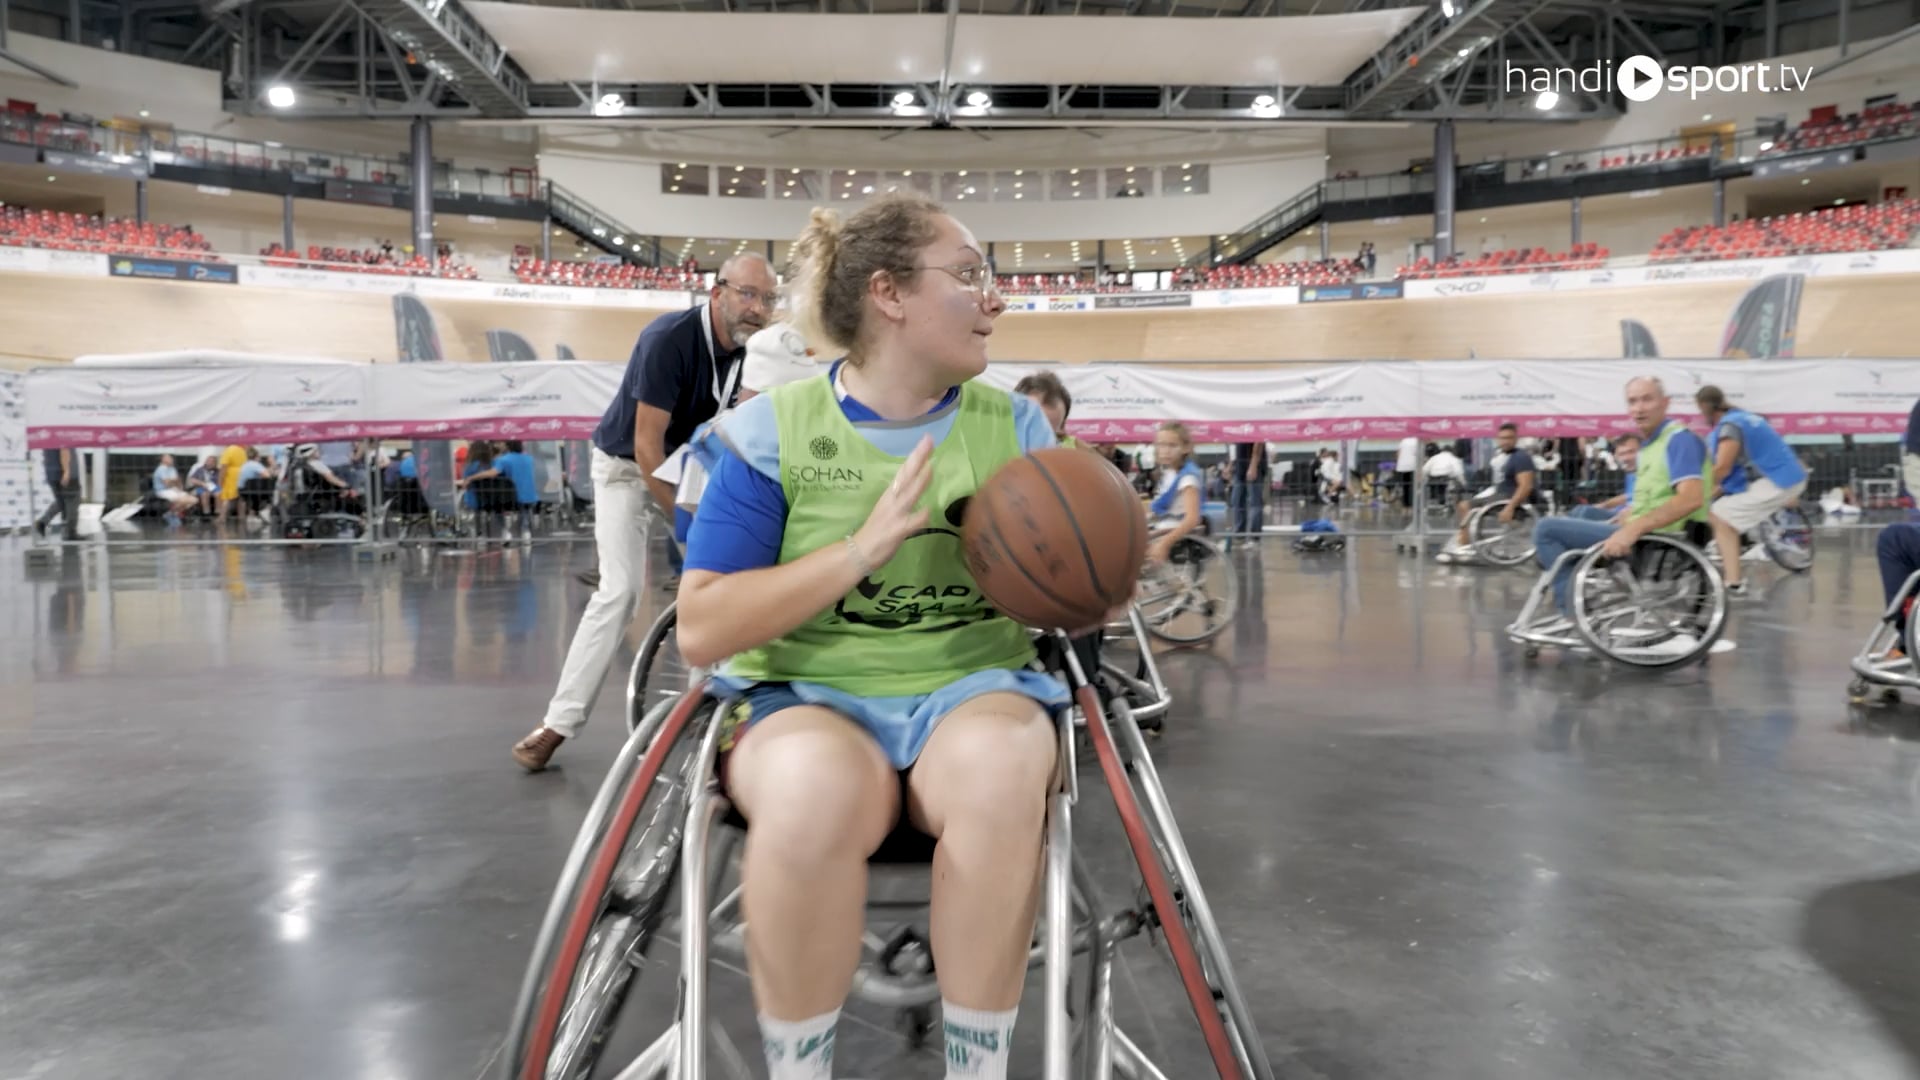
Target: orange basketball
[{"x": 1056, "y": 539}]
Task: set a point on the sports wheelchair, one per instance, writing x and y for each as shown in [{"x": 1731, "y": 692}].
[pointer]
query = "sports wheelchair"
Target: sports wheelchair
[
  {"x": 1662, "y": 605},
  {"x": 1193, "y": 595},
  {"x": 1496, "y": 544},
  {"x": 1886, "y": 660},
  {"x": 661, "y": 830}
]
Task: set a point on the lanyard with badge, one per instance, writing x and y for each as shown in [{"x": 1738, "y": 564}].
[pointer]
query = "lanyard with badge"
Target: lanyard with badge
[{"x": 722, "y": 391}]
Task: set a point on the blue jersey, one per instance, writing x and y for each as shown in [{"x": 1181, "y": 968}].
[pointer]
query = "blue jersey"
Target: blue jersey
[
  {"x": 1762, "y": 453},
  {"x": 1188, "y": 475}
]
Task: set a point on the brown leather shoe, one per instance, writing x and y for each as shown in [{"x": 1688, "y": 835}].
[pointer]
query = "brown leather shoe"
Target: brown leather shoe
[{"x": 534, "y": 751}]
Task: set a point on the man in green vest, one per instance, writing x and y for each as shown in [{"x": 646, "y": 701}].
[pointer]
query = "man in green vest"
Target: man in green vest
[{"x": 1669, "y": 489}]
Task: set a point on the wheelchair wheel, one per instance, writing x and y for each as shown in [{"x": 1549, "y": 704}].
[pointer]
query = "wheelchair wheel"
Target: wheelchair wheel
[
  {"x": 1660, "y": 606},
  {"x": 1178, "y": 904},
  {"x": 659, "y": 673},
  {"x": 612, "y": 899},
  {"x": 1502, "y": 545},
  {"x": 1191, "y": 597},
  {"x": 1788, "y": 537}
]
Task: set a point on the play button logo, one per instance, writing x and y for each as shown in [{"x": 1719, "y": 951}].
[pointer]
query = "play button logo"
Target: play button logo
[{"x": 1640, "y": 77}]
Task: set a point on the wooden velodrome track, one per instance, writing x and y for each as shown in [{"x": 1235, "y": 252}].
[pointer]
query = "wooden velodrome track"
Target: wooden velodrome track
[{"x": 46, "y": 318}]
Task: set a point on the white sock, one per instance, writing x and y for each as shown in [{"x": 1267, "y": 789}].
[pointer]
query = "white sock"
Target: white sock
[
  {"x": 978, "y": 1042},
  {"x": 799, "y": 1049}
]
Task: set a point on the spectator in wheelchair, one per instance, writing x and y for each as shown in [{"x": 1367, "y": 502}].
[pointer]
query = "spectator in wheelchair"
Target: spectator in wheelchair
[
  {"x": 203, "y": 483},
  {"x": 1046, "y": 389},
  {"x": 167, "y": 489},
  {"x": 1175, "y": 509},
  {"x": 1514, "y": 480},
  {"x": 1669, "y": 490},
  {"x": 870, "y": 682},
  {"x": 1755, "y": 472},
  {"x": 1626, "y": 449}
]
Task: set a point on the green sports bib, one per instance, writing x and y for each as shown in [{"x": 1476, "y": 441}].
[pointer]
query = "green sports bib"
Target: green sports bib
[
  {"x": 1653, "y": 486},
  {"x": 919, "y": 622}
]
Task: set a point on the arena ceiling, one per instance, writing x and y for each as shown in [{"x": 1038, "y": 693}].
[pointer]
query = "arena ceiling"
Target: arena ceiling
[{"x": 899, "y": 66}]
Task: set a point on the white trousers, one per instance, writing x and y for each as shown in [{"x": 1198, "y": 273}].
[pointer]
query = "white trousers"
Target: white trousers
[{"x": 622, "y": 505}]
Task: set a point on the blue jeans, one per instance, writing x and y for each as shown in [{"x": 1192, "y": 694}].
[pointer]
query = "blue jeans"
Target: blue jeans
[
  {"x": 1249, "y": 506},
  {"x": 1554, "y": 537},
  {"x": 1899, "y": 552},
  {"x": 1592, "y": 513}
]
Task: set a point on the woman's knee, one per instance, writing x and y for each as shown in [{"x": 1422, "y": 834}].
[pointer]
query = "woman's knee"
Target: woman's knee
[
  {"x": 814, "y": 790},
  {"x": 993, "y": 764}
]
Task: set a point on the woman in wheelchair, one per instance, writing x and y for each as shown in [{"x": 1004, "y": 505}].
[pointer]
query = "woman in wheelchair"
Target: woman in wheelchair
[
  {"x": 1175, "y": 509},
  {"x": 1669, "y": 490},
  {"x": 874, "y": 684}
]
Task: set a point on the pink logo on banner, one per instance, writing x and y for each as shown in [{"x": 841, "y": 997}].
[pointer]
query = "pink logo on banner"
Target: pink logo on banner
[
  {"x": 1236, "y": 429},
  {"x": 1881, "y": 423},
  {"x": 546, "y": 425},
  {"x": 1349, "y": 427}
]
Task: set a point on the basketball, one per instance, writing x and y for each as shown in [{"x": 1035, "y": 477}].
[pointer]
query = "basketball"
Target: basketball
[{"x": 1056, "y": 539}]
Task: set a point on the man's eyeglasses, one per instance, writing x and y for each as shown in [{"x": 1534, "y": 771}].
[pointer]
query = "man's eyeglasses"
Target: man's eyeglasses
[{"x": 754, "y": 297}]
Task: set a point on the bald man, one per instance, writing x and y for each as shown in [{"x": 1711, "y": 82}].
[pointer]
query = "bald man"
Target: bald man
[{"x": 684, "y": 370}]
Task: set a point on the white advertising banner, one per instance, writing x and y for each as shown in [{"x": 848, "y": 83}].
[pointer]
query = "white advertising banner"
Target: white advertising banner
[
  {"x": 551, "y": 400},
  {"x": 280, "y": 403},
  {"x": 539, "y": 400},
  {"x": 287, "y": 277},
  {"x": 1903, "y": 261},
  {"x": 35, "y": 260}
]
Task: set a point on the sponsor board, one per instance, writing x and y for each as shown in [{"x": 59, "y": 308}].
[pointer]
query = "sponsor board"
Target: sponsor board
[
  {"x": 34, "y": 260},
  {"x": 1369, "y": 290},
  {"x": 173, "y": 270},
  {"x": 1126, "y": 301}
]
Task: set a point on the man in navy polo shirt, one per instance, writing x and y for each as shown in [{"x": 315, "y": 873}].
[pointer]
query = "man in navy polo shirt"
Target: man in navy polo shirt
[{"x": 684, "y": 370}]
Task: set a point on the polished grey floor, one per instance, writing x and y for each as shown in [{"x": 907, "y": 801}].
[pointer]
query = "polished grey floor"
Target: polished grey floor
[{"x": 257, "y": 819}]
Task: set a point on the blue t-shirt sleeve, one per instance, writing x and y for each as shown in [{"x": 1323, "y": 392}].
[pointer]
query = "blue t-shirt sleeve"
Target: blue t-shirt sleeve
[
  {"x": 1686, "y": 454},
  {"x": 741, "y": 521},
  {"x": 1031, "y": 423}
]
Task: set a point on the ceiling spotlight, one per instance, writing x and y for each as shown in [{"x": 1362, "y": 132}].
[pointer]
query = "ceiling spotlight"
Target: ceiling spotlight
[
  {"x": 1766, "y": 146},
  {"x": 1464, "y": 53},
  {"x": 144, "y": 114},
  {"x": 619, "y": 239},
  {"x": 599, "y": 232},
  {"x": 979, "y": 99},
  {"x": 280, "y": 96},
  {"x": 867, "y": 190},
  {"x": 51, "y": 179},
  {"x": 963, "y": 172},
  {"x": 739, "y": 168},
  {"x": 1446, "y": 8},
  {"x": 1265, "y": 101},
  {"x": 1546, "y": 101},
  {"x": 610, "y": 105},
  {"x": 903, "y": 100}
]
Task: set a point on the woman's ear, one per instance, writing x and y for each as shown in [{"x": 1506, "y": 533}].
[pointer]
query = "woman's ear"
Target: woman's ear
[{"x": 883, "y": 288}]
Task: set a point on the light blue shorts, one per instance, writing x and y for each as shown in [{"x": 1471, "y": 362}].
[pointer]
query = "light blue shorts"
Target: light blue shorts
[{"x": 901, "y": 725}]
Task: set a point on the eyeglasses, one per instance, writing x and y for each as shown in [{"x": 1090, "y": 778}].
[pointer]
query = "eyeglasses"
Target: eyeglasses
[
  {"x": 974, "y": 275},
  {"x": 753, "y": 297}
]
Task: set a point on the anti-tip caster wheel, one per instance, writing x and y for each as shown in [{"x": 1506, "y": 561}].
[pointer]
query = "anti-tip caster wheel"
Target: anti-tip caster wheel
[{"x": 916, "y": 1025}]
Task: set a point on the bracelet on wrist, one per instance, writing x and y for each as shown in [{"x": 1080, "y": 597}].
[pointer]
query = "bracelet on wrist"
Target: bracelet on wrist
[{"x": 859, "y": 557}]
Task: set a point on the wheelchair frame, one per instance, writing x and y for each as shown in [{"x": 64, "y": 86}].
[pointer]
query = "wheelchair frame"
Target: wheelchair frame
[
  {"x": 1483, "y": 547},
  {"x": 1164, "y": 583},
  {"x": 1533, "y": 627},
  {"x": 1175, "y": 905},
  {"x": 1874, "y": 666}
]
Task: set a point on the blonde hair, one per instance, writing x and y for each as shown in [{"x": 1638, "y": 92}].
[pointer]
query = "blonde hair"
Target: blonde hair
[
  {"x": 1179, "y": 430},
  {"x": 835, "y": 258}
]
